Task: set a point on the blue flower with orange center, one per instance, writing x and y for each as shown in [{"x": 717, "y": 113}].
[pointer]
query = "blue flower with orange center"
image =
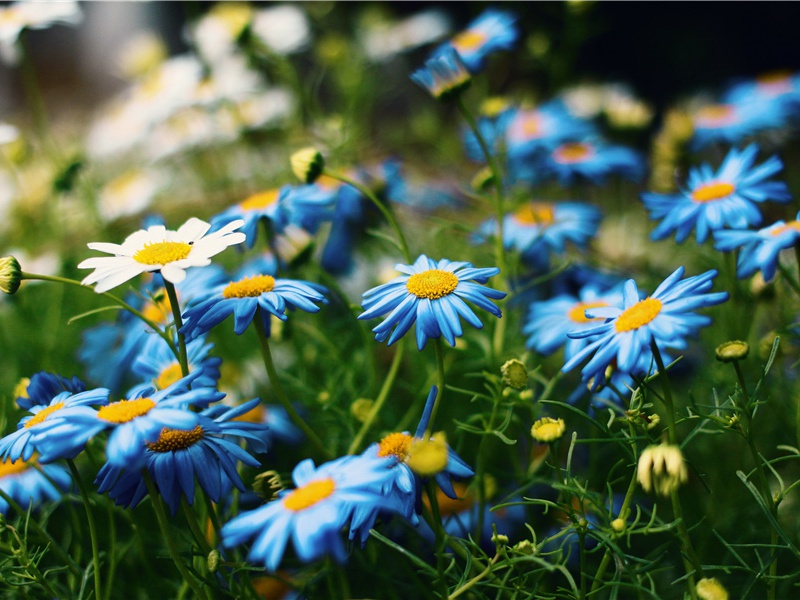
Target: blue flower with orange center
[
  {"x": 665, "y": 318},
  {"x": 537, "y": 229},
  {"x": 593, "y": 160},
  {"x": 549, "y": 321},
  {"x": 246, "y": 297},
  {"x": 430, "y": 294},
  {"x": 759, "y": 250},
  {"x": 443, "y": 76},
  {"x": 492, "y": 31},
  {"x": 133, "y": 421},
  {"x": 312, "y": 514},
  {"x": 27, "y": 483},
  {"x": 715, "y": 200},
  {"x": 732, "y": 122},
  {"x": 22, "y": 443},
  {"x": 208, "y": 453}
]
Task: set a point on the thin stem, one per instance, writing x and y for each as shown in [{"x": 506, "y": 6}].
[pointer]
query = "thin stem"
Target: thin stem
[
  {"x": 380, "y": 400},
  {"x": 440, "y": 535},
  {"x": 667, "y": 390},
  {"x": 272, "y": 372},
  {"x": 469, "y": 584},
  {"x": 138, "y": 314},
  {"x": 191, "y": 519},
  {"x": 169, "y": 539},
  {"x": 401, "y": 240},
  {"x": 76, "y": 476},
  {"x": 176, "y": 315}
]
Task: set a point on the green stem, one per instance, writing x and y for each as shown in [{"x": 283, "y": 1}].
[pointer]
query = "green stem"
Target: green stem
[
  {"x": 118, "y": 301},
  {"x": 176, "y": 315},
  {"x": 668, "y": 403},
  {"x": 469, "y": 584},
  {"x": 440, "y": 378},
  {"x": 440, "y": 535},
  {"x": 499, "y": 244},
  {"x": 401, "y": 240},
  {"x": 480, "y": 467},
  {"x": 380, "y": 400},
  {"x": 169, "y": 539},
  {"x": 272, "y": 372},
  {"x": 76, "y": 476},
  {"x": 191, "y": 519}
]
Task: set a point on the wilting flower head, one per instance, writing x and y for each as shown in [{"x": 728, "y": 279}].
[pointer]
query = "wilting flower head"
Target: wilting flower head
[
  {"x": 443, "y": 76},
  {"x": 313, "y": 514},
  {"x": 759, "y": 250},
  {"x": 713, "y": 200},
  {"x": 665, "y": 318},
  {"x": 662, "y": 468},
  {"x": 430, "y": 294},
  {"x": 158, "y": 249},
  {"x": 10, "y": 275},
  {"x": 493, "y": 30}
]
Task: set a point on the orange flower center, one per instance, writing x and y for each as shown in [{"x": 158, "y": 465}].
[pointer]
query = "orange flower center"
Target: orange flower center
[
  {"x": 308, "y": 495},
  {"x": 126, "y": 410},
  {"x": 715, "y": 190},
  {"x": 716, "y": 115},
  {"x": 176, "y": 439},
  {"x": 572, "y": 153},
  {"x": 395, "y": 444},
  {"x": 159, "y": 310},
  {"x": 576, "y": 313},
  {"x": 13, "y": 467},
  {"x": 260, "y": 201},
  {"x": 638, "y": 315},
  {"x": 43, "y": 414},
  {"x": 168, "y": 376},
  {"x": 162, "y": 253},
  {"x": 468, "y": 41},
  {"x": 534, "y": 213},
  {"x": 790, "y": 226}
]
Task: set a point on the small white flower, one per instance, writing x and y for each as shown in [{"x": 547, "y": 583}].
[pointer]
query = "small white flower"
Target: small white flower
[
  {"x": 159, "y": 249},
  {"x": 283, "y": 29}
]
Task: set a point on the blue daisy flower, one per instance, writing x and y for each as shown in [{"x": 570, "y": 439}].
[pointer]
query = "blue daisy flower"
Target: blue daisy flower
[
  {"x": 549, "y": 321},
  {"x": 313, "y": 514},
  {"x": 26, "y": 439},
  {"x": 134, "y": 421},
  {"x": 43, "y": 386},
  {"x": 537, "y": 229},
  {"x": 244, "y": 297},
  {"x": 178, "y": 457},
  {"x": 267, "y": 204},
  {"x": 492, "y": 126},
  {"x": 593, "y": 160},
  {"x": 731, "y": 123},
  {"x": 759, "y": 250},
  {"x": 492, "y": 31},
  {"x": 431, "y": 295},
  {"x": 714, "y": 200},
  {"x": 26, "y": 484},
  {"x": 402, "y": 492},
  {"x": 665, "y": 318},
  {"x": 443, "y": 76},
  {"x": 781, "y": 88},
  {"x": 159, "y": 367}
]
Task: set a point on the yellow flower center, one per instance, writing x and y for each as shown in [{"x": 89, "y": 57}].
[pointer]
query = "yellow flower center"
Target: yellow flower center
[
  {"x": 530, "y": 126},
  {"x": 43, "y": 414},
  {"x": 13, "y": 467},
  {"x": 260, "y": 201},
  {"x": 548, "y": 430},
  {"x": 395, "y": 444},
  {"x": 168, "y": 376},
  {"x": 576, "y": 313},
  {"x": 468, "y": 41},
  {"x": 790, "y": 226},
  {"x": 308, "y": 495},
  {"x": 249, "y": 287},
  {"x": 161, "y": 253},
  {"x": 572, "y": 152},
  {"x": 715, "y": 115},
  {"x": 713, "y": 191},
  {"x": 638, "y": 315},
  {"x": 125, "y": 410},
  {"x": 535, "y": 213},
  {"x": 176, "y": 439},
  {"x": 432, "y": 284},
  {"x": 158, "y": 310}
]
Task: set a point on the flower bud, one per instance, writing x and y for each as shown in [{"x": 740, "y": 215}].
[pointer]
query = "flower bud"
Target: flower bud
[
  {"x": 548, "y": 430},
  {"x": 732, "y": 351},
  {"x": 428, "y": 457},
  {"x": 307, "y": 164},
  {"x": 213, "y": 560},
  {"x": 10, "y": 274},
  {"x": 514, "y": 374},
  {"x": 709, "y": 588},
  {"x": 662, "y": 468}
]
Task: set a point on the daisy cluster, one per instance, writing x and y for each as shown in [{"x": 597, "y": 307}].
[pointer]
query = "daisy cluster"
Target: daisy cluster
[{"x": 541, "y": 308}]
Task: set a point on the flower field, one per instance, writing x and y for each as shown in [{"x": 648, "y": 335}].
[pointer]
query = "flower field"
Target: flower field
[{"x": 337, "y": 301}]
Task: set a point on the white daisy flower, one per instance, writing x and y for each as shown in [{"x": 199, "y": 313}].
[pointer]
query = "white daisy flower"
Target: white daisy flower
[{"x": 159, "y": 249}]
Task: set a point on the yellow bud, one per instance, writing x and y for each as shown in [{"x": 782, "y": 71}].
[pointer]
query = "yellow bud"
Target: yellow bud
[
  {"x": 428, "y": 457},
  {"x": 618, "y": 525},
  {"x": 361, "y": 408},
  {"x": 10, "y": 274},
  {"x": 709, "y": 588},
  {"x": 307, "y": 164},
  {"x": 548, "y": 430}
]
